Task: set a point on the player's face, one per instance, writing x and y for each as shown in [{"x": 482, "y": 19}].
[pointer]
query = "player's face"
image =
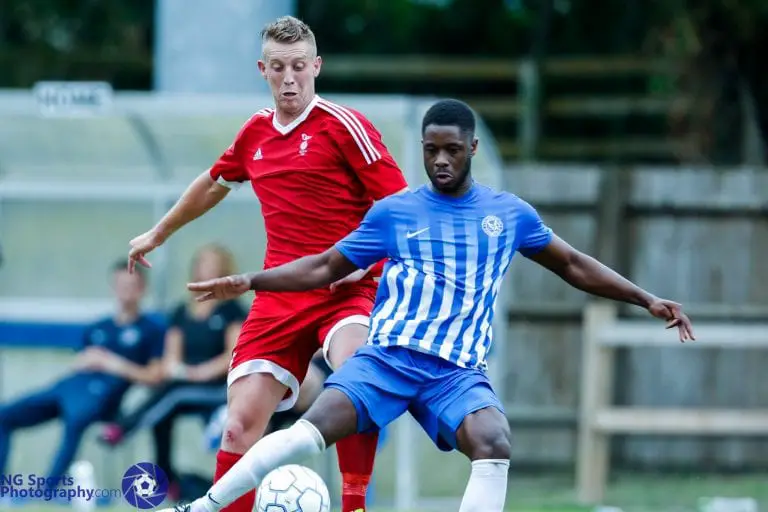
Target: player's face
[
  {"x": 291, "y": 70},
  {"x": 448, "y": 158},
  {"x": 129, "y": 288}
]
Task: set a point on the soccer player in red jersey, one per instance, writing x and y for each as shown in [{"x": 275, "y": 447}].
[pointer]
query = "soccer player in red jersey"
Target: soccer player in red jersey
[{"x": 316, "y": 168}]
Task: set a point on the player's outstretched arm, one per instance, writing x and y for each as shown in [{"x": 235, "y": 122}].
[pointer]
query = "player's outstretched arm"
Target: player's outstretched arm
[
  {"x": 307, "y": 273},
  {"x": 587, "y": 274},
  {"x": 201, "y": 195}
]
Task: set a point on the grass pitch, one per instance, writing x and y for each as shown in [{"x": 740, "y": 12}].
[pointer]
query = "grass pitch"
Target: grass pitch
[{"x": 628, "y": 493}]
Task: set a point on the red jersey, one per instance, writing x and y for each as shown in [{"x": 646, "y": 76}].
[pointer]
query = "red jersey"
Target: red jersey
[{"x": 315, "y": 178}]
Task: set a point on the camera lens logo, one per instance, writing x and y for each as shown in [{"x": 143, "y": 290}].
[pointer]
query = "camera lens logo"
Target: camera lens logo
[{"x": 145, "y": 485}]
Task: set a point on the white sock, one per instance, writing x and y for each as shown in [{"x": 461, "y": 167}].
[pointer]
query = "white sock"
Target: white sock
[
  {"x": 487, "y": 486},
  {"x": 288, "y": 446}
]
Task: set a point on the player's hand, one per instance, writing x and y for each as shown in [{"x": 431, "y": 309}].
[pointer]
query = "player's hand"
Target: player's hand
[
  {"x": 672, "y": 312},
  {"x": 351, "y": 278},
  {"x": 140, "y": 247},
  {"x": 222, "y": 288}
]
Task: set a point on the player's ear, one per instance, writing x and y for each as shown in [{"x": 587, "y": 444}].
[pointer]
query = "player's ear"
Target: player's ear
[
  {"x": 317, "y": 65},
  {"x": 473, "y": 146},
  {"x": 262, "y": 68}
]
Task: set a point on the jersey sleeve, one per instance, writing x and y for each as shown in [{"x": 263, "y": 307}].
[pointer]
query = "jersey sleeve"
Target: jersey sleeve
[
  {"x": 534, "y": 234},
  {"x": 368, "y": 243},
  {"x": 229, "y": 170},
  {"x": 365, "y": 152}
]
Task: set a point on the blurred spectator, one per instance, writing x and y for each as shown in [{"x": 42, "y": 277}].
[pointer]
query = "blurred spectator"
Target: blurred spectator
[
  {"x": 198, "y": 349},
  {"x": 117, "y": 351}
]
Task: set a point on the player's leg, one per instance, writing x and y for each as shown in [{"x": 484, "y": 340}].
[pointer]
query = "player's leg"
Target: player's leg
[
  {"x": 459, "y": 410},
  {"x": 313, "y": 384},
  {"x": 484, "y": 437},
  {"x": 367, "y": 392},
  {"x": 357, "y": 452},
  {"x": 251, "y": 401},
  {"x": 309, "y": 390},
  {"x": 333, "y": 412},
  {"x": 271, "y": 356}
]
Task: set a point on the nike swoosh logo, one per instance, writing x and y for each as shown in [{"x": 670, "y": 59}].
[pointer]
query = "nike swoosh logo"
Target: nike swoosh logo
[
  {"x": 415, "y": 233},
  {"x": 213, "y": 500}
]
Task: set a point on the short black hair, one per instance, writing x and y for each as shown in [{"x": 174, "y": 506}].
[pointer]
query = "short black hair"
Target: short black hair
[
  {"x": 121, "y": 265},
  {"x": 450, "y": 112}
]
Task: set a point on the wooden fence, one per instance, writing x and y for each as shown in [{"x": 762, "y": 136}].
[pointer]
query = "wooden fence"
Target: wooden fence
[
  {"x": 600, "y": 419},
  {"x": 515, "y": 115},
  {"x": 698, "y": 236}
]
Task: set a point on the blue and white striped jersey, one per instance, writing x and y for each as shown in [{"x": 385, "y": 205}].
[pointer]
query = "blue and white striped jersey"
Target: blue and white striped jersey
[{"x": 446, "y": 260}]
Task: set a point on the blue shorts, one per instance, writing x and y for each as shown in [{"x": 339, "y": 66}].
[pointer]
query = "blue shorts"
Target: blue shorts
[{"x": 385, "y": 382}]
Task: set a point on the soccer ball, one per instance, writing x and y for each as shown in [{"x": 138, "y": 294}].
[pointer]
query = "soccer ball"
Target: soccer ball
[
  {"x": 145, "y": 486},
  {"x": 292, "y": 488}
]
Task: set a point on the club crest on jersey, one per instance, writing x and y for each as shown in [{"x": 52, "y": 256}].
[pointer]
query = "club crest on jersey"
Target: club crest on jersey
[
  {"x": 492, "y": 225},
  {"x": 304, "y": 144}
]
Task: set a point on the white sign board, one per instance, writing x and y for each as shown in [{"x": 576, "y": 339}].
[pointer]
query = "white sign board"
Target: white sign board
[
  {"x": 728, "y": 505},
  {"x": 73, "y": 99}
]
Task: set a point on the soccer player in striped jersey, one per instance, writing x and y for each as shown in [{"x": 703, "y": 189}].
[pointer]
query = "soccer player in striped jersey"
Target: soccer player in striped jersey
[
  {"x": 448, "y": 246},
  {"x": 316, "y": 168}
]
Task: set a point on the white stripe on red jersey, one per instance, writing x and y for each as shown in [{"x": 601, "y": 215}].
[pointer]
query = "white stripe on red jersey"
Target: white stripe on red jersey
[{"x": 355, "y": 128}]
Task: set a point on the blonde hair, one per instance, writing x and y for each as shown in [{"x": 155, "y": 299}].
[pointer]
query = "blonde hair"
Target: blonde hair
[
  {"x": 288, "y": 30},
  {"x": 226, "y": 259}
]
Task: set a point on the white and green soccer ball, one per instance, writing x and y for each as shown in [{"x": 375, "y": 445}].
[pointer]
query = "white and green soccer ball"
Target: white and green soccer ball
[{"x": 292, "y": 488}]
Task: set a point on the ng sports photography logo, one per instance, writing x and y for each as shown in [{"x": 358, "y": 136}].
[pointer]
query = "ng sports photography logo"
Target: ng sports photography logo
[
  {"x": 145, "y": 486},
  {"x": 18, "y": 488}
]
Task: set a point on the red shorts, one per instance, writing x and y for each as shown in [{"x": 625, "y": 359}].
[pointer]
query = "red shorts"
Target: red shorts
[{"x": 284, "y": 331}]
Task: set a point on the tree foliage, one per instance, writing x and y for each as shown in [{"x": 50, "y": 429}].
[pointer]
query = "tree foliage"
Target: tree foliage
[{"x": 716, "y": 45}]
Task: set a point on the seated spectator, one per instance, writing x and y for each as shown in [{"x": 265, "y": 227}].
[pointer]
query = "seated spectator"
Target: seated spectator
[
  {"x": 198, "y": 349},
  {"x": 117, "y": 351}
]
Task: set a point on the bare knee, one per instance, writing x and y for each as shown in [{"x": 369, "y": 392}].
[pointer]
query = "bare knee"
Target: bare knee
[
  {"x": 345, "y": 342},
  {"x": 310, "y": 389},
  {"x": 233, "y": 434},
  {"x": 485, "y": 435},
  {"x": 239, "y": 435},
  {"x": 252, "y": 401},
  {"x": 494, "y": 445},
  {"x": 333, "y": 415}
]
